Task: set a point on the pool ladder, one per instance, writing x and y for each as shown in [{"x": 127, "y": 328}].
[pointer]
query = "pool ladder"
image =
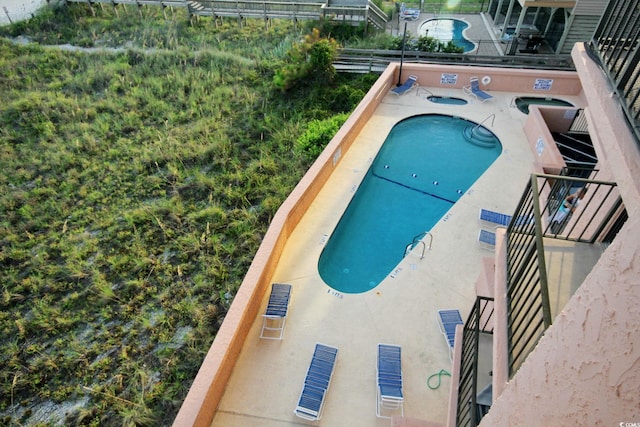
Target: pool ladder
[{"x": 417, "y": 240}]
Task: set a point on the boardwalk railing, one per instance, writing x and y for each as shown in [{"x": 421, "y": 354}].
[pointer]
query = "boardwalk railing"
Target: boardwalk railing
[
  {"x": 365, "y": 60},
  {"x": 255, "y": 9},
  {"x": 298, "y": 9}
]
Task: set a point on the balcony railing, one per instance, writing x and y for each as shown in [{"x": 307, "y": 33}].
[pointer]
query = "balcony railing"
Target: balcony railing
[
  {"x": 528, "y": 311},
  {"x": 480, "y": 321},
  {"x": 615, "y": 45},
  {"x": 596, "y": 218}
]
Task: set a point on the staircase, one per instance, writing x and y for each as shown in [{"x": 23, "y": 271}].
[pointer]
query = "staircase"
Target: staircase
[{"x": 576, "y": 149}]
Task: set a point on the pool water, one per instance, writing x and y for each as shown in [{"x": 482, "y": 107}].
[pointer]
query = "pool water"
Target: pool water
[
  {"x": 423, "y": 168},
  {"x": 445, "y": 29},
  {"x": 523, "y": 102},
  {"x": 447, "y": 100}
]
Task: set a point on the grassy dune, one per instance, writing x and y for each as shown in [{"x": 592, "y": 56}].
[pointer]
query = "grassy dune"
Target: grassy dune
[{"x": 136, "y": 187}]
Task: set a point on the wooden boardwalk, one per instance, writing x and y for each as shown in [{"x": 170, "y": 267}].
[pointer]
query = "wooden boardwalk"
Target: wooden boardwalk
[{"x": 296, "y": 10}]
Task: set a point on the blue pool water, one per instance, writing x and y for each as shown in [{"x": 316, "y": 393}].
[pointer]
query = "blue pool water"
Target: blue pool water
[
  {"x": 447, "y": 100},
  {"x": 445, "y": 29},
  {"x": 523, "y": 102},
  {"x": 424, "y": 166}
]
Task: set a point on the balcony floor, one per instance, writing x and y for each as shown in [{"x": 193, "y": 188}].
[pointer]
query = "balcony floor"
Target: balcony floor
[{"x": 568, "y": 263}]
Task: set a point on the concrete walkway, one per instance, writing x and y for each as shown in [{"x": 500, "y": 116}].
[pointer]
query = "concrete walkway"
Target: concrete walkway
[
  {"x": 268, "y": 376},
  {"x": 479, "y": 31}
]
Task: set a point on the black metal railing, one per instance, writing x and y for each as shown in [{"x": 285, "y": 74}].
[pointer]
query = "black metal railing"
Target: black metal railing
[
  {"x": 595, "y": 210},
  {"x": 480, "y": 321},
  {"x": 376, "y": 60},
  {"x": 528, "y": 308},
  {"x": 579, "y": 123},
  {"x": 615, "y": 45}
]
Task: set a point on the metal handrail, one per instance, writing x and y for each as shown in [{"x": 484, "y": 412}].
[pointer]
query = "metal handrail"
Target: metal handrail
[
  {"x": 418, "y": 239},
  {"x": 479, "y": 125},
  {"x": 615, "y": 49},
  {"x": 411, "y": 245},
  {"x": 348, "y": 58}
]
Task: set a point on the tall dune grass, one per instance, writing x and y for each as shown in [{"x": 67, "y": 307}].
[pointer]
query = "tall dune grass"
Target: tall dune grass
[{"x": 136, "y": 187}]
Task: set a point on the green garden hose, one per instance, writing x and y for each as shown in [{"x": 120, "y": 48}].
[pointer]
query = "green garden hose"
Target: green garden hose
[{"x": 439, "y": 375}]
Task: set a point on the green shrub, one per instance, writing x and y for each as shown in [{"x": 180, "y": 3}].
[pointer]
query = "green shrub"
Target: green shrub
[
  {"x": 427, "y": 44},
  {"x": 310, "y": 60},
  {"x": 450, "y": 47},
  {"x": 345, "y": 98},
  {"x": 318, "y": 134}
]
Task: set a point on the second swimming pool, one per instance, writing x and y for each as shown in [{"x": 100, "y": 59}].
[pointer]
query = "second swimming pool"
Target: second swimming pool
[
  {"x": 425, "y": 165},
  {"x": 445, "y": 30}
]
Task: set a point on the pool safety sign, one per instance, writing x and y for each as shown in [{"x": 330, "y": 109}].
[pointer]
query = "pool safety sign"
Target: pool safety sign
[
  {"x": 543, "y": 84},
  {"x": 540, "y": 146},
  {"x": 448, "y": 79}
]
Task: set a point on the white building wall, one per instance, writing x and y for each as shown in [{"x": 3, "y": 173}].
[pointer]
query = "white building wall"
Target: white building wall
[{"x": 18, "y": 10}]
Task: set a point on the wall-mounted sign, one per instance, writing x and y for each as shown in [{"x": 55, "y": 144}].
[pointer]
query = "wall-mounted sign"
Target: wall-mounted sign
[
  {"x": 448, "y": 79},
  {"x": 540, "y": 146},
  {"x": 543, "y": 84},
  {"x": 336, "y": 156}
]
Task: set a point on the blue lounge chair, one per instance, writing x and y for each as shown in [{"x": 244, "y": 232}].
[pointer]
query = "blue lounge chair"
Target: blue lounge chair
[
  {"x": 487, "y": 239},
  {"x": 276, "y": 313},
  {"x": 409, "y": 14},
  {"x": 316, "y": 383},
  {"x": 409, "y": 84},
  {"x": 474, "y": 90},
  {"x": 389, "y": 377},
  {"x": 448, "y": 320},
  {"x": 494, "y": 219}
]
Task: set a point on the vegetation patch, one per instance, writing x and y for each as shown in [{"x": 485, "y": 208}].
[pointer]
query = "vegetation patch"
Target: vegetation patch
[{"x": 137, "y": 185}]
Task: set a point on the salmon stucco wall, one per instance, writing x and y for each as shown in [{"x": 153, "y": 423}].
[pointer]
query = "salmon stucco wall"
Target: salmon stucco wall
[
  {"x": 524, "y": 81},
  {"x": 547, "y": 156},
  {"x": 585, "y": 370}
]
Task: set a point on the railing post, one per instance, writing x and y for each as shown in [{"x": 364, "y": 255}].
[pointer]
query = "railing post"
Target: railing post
[{"x": 542, "y": 269}]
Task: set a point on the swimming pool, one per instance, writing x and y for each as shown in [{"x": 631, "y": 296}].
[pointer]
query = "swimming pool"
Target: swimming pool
[
  {"x": 447, "y": 100},
  {"x": 446, "y": 29},
  {"x": 423, "y": 168}
]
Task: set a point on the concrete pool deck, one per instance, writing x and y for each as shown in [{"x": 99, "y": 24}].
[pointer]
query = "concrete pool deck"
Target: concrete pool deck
[{"x": 268, "y": 375}]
